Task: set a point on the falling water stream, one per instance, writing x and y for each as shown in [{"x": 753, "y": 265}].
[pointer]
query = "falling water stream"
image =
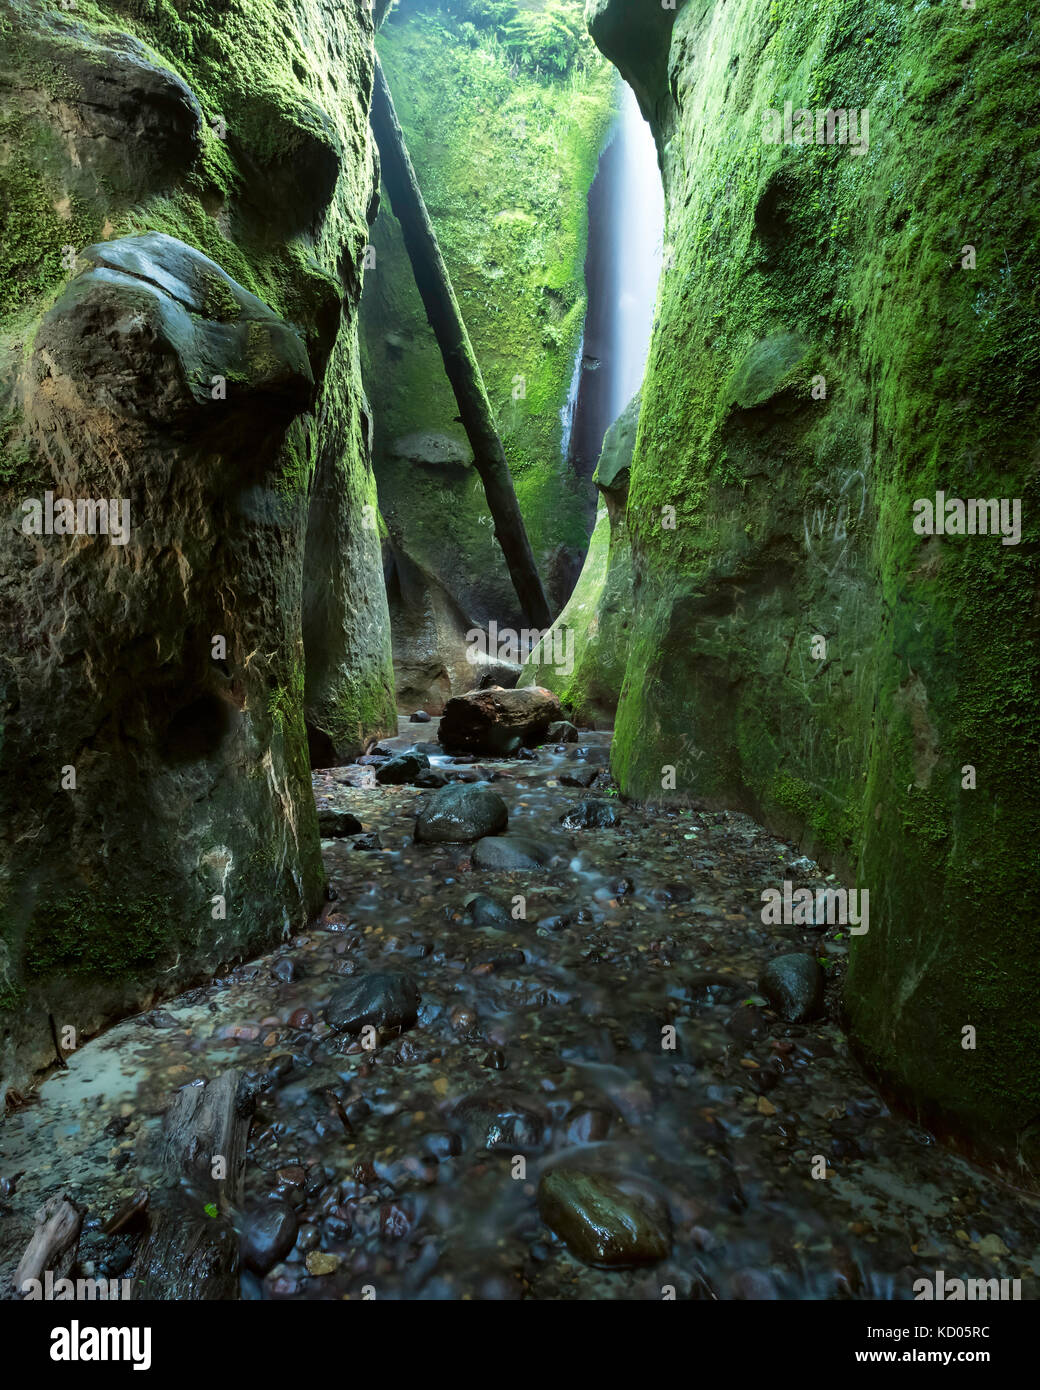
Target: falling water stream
[{"x": 626, "y": 223}]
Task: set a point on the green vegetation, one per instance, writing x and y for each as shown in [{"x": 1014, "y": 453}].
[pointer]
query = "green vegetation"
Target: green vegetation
[
  {"x": 793, "y": 510},
  {"x": 505, "y": 142}
]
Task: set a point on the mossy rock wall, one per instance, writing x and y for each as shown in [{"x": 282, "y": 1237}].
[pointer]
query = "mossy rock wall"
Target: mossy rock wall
[
  {"x": 583, "y": 657},
  {"x": 184, "y": 198},
  {"x": 505, "y": 135},
  {"x": 765, "y": 515}
]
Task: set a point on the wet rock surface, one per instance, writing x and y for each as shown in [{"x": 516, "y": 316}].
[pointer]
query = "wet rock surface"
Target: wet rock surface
[
  {"x": 460, "y": 812},
  {"x": 615, "y": 1037},
  {"x": 383, "y": 999},
  {"x": 602, "y": 1223},
  {"x": 793, "y": 984}
]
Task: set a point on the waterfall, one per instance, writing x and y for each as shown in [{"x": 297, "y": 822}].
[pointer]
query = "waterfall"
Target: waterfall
[
  {"x": 622, "y": 266},
  {"x": 639, "y": 230}
]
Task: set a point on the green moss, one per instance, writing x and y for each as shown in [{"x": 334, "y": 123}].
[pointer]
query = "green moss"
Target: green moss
[
  {"x": 793, "y": 514},
  {"x": 90, "y": 934},
  {"x": 504, "y": 160}
]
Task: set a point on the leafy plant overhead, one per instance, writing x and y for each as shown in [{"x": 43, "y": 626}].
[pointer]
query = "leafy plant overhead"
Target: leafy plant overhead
[{"x": 547, "y": 36}]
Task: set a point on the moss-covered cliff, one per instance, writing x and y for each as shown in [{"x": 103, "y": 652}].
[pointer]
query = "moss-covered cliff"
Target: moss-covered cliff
[
  {"x": 505, "y": 110},
  {"x": 828, "y": 351},
  {"x": 184, "y": 200}
]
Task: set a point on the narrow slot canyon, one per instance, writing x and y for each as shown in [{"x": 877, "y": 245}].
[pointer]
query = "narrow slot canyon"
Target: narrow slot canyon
[{"x": 519, "y": 661}]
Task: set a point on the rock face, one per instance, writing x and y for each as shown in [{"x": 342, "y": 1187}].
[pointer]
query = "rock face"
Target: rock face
[
  {"x": 459, "y": 813},
  {"x": 802, "y": 652},
  {"x": 189, "y": 588},
  {"x": 498, "y": 721},
  {"x": 592, "y": 632},
  {"x": 509, "y": 205}
]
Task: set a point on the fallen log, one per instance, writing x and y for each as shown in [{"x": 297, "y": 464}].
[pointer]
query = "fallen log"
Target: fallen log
[
  {"x": 191, "y": 1249},
  {"x": 498, "y": 721},
  {"x": 53, "y": 1244},
  {"x": 442, "y": 310}
]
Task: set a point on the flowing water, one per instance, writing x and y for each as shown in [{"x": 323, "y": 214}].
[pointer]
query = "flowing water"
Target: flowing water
[{"x": 413, "y": 1170}]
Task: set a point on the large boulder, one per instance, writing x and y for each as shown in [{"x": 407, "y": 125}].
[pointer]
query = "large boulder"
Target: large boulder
[{"x": 497, "y": 721}]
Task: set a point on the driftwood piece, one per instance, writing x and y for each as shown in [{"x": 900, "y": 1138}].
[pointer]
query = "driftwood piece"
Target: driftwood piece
[
  {"x": 53, "y": 1244},
  {"x": 442, "y": 310},
  {"x": 191, "y": 1252},
  {"x": 498, "y": 721}
]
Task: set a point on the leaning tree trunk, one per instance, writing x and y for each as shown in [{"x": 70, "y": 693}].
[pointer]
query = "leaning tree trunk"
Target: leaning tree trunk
[{"x": 431, "y": 276}]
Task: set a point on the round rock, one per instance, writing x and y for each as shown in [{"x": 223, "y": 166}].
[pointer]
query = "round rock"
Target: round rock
[
  {"x": 460, "y": 812},
  {"x": 383, "y": 998},
  {"x": 604, "y": 1220},
  {"x": 793, "y": 984},
  {"x": 269, "y": 1235},
  {"x": 510, "y": 854}
]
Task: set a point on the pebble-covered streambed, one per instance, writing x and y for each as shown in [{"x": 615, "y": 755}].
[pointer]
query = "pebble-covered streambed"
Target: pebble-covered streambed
[{"x": 538, "y": 1131}]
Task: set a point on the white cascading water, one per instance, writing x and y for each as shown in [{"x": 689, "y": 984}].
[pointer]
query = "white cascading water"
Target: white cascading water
[
  {"x": 632, "y": 225},
  {"x": 638, "y": 215}
]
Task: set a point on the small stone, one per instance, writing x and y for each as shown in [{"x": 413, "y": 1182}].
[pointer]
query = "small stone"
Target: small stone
[
  {"x": 485, "y": 912},
  {"x": 334, "y": 824},
  {"x": 590, "y": 815},
  {"x": 369, "y": 842},
  {"x": 431, "y": 779},
  {"x": 404, "y": 768},
  {"x": 581, "y": 777},
  {"x": 420, "y": 717},
  {"x": 793, "y": 984},
  {"x": 607, "y": 1221},
  {"x": 269, "y": 1235},
  {"x": 382, "y": 998},
  {"x": 561, "y": 731},
  {"x": 320, "y": 1263}
]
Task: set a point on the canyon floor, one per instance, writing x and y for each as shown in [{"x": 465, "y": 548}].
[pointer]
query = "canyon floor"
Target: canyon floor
[{"x": 541, "y": 1045}]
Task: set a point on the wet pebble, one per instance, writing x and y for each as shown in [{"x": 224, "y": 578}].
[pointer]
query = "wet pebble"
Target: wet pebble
[
  {"x": 269, "y": 1235},
  {"x": 383, "y": 998},
  {"x": 603, "y": 1219},
  {"x": 793, "y": 984}
]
